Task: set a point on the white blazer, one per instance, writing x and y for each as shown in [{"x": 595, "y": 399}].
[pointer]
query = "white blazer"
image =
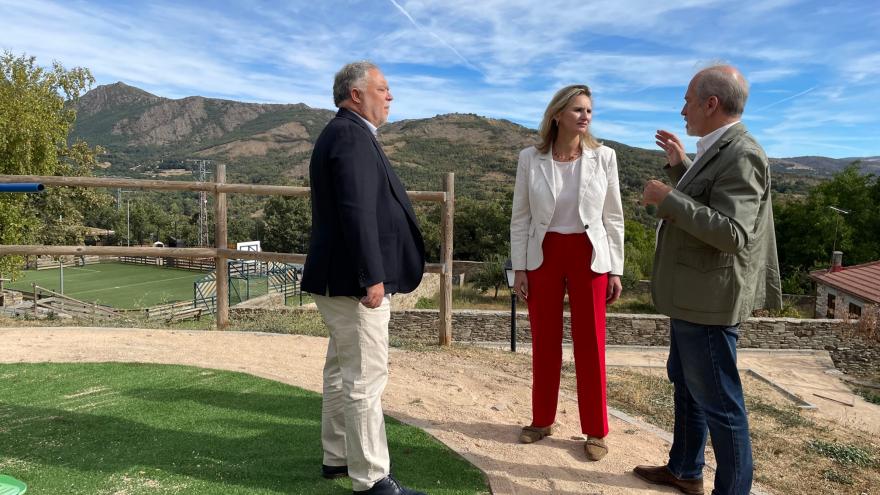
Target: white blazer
[{"x": 600, "y": 209}]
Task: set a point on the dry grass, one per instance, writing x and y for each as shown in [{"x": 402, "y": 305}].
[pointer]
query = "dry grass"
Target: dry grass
[{"x": 795, "y": 451}]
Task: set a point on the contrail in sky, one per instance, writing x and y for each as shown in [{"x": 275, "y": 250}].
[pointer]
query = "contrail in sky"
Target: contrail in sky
[
  {"x": 802, "y": 93},
  {"x": 441, "y": 40}
]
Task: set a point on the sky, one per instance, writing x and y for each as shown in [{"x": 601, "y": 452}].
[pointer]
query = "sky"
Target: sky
[{"x": 813, "y": 65}]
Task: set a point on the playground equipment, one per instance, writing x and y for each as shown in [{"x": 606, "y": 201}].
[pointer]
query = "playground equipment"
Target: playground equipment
[{"x": 11, "y": 486}]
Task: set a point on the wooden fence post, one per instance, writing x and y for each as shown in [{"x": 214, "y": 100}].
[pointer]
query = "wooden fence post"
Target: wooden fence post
[
  {"x": 220, "y": 268},
  {"x": 446, "y": 260}
]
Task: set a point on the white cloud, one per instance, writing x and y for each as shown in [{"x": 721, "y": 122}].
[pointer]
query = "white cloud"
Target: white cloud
[{"x": 500, "y": 58}]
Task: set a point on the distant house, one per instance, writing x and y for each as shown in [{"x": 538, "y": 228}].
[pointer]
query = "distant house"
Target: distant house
[
  {"x": 95, "y": 236},
  {"x": 845, "y": 292}
]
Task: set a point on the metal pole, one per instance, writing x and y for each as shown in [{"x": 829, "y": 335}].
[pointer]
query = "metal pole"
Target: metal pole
[
  {"x": 61, "y": 273},
  {"x": 512, "y": 322},
  {"x": 128, "y": 222}
]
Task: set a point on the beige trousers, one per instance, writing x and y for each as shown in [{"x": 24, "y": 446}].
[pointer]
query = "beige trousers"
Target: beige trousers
[{"x": 355, "y": 374}]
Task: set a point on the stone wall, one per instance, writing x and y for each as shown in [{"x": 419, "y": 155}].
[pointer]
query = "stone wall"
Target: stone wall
[
  {"x": 429, "y": 287},
  {"x": 851, "y": 350}
]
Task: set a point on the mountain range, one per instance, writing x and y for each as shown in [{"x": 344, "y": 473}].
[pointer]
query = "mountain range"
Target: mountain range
[{"x": 145, "y": 135}]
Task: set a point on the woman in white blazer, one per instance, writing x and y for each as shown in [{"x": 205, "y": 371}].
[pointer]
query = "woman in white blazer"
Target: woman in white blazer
[{"x": 566, "y": 234}]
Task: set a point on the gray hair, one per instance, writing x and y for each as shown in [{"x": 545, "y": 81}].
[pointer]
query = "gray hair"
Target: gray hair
[
  {"x": 726, "y": 83},
  {"x": 352, "y": 75}
]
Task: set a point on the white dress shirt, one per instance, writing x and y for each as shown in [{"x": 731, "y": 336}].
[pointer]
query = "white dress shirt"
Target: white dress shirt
[
  {"x": 370, "y": 125},
  {"x": 706, "y": 142},
  {"x": 703, "y": 145}
]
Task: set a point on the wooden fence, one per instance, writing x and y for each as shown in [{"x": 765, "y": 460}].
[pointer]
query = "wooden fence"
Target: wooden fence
[
  {"x": 53, "y": 302},
  {"x": 47, "y": 262},
  {"x": 220, "y": 253}
]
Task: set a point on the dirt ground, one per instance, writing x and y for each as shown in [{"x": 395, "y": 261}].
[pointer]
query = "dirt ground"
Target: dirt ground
[{"x": 473, "y": 400}]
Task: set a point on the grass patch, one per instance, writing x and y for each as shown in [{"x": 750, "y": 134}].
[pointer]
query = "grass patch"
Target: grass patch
[
  {"x": 848, "y": 455},
  {"x": 468, "y": 297},
  {"x": 648, "y": 395},
  {"x": 837, "y": 477},
  {"x": 634, "y": 304},
  {"x": 870, "y": 395},
  {"x": 119, "y": 285},
  {"x": 138, "y": 429},
  {"x": 788, "y": 416}
]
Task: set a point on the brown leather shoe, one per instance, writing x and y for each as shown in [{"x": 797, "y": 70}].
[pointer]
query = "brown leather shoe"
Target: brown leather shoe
[
  {"x": 595, "y": 448},
  {"x": 660, "y": 475},
  {"x": 531, "y": 434}
]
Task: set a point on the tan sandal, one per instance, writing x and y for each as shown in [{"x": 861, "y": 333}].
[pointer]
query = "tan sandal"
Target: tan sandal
[
  {"x": 531, "y": 434},
  {"x": 595, "y": 448}
]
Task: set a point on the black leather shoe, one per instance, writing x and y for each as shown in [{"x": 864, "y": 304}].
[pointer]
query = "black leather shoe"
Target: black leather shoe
[
  {"x": 388, "y": 486},
  {"x": 331, "y": 472}
]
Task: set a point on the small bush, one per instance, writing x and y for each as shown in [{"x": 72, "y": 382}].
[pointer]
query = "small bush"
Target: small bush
[
  {"x": 836, "y": 477},
  {"x": 869, "y": 395},
  {"x": 787, "y": 417},
  {"x": 426, "y": 303},
  {"x": 847, "y": 455}
]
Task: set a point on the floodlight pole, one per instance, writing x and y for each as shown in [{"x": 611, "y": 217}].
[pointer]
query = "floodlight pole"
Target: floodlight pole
[
  {"x": 61, "y": 264},
  {"x": 128, "y": 222}
]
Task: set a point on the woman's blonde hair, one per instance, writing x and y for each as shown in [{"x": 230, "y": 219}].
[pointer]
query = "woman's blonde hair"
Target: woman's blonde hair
[{"x": 549, "y": 129}]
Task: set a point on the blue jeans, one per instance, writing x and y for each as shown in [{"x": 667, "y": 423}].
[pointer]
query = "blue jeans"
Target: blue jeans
[{"x": 708, "y": 398}]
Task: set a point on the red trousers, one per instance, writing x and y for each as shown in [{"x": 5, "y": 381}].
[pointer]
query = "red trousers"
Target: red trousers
[{"x": 566, "y": 266}]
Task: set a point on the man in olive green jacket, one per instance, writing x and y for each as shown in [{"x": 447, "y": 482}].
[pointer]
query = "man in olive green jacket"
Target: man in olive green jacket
[{"x": 715, "y": 263}]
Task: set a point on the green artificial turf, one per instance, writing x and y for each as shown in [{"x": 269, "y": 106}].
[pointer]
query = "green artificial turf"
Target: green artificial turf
[
  {"x": 96, "y": 429},
  {"x": 118, "y": 285}
]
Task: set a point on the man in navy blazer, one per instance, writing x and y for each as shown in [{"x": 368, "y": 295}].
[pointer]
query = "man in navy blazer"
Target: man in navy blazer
[{"x": 365, "y": 245}]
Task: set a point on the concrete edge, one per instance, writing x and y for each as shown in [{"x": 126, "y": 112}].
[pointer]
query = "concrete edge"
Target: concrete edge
[{"x": 801, "y": 403}]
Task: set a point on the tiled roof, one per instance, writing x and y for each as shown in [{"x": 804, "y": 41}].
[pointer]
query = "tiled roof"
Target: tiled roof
[{"x": 862, "y": 281}]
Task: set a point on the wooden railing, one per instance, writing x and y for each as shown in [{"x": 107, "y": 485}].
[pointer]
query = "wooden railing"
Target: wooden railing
[{"x": 220, "y": 252}]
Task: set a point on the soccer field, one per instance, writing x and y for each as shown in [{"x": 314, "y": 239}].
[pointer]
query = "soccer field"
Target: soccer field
[{"x": 116, "y": 284}]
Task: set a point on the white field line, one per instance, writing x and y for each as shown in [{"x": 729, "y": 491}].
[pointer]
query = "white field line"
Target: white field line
[
  {"x": 88, "y": 391},
  {"x": 131, "y": 285},
  {"x": 81, "y": 269}
]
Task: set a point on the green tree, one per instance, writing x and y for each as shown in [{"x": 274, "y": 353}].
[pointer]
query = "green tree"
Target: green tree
[
  {"x": 638, "y": 253},
  {"x": 428, "y": 215},
  {"x": 482, "y": 228},
  {"x": 288, "y": 224},
  {"x": 491, "y": 275},
  {"x": 808, "y": 229},
  {"x": 35, "y": 120}
]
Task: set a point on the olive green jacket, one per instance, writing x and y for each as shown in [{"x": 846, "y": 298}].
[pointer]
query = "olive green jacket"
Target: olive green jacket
[{"x": 716, "y": 248}]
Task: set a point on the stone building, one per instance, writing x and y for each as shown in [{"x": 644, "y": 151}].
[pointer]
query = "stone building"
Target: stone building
[{"x": 845, "y": 292}]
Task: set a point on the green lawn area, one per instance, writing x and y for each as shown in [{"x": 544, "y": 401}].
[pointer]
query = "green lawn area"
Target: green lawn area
[
  {"x": 119, "y": 285},
  {"x": 95, "y": 429}
]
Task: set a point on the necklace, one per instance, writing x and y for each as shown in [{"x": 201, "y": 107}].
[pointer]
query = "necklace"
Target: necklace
[{"x": 560, "y": 157}]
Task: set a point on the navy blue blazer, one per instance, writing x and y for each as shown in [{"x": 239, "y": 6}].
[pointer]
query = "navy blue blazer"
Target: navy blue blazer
[{"x": 364, "y": 229}]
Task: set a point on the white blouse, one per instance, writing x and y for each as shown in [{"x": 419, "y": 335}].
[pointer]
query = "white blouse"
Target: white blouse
[{"x": 566, "y": 179}]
